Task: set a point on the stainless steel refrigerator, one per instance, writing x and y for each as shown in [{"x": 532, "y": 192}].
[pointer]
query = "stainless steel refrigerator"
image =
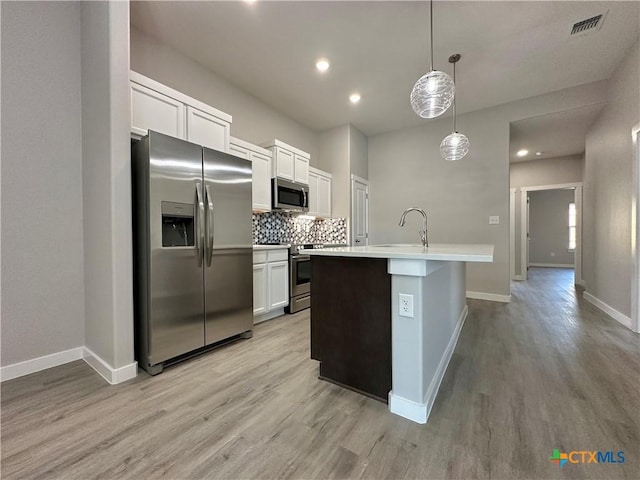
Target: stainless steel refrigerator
[{"x": 193, "y": 249}]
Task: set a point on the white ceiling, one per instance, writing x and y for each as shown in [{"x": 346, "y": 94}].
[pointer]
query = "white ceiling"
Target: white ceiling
[
  {"x": 510, "y": 50},
  {"x": 555, "y": 135}
]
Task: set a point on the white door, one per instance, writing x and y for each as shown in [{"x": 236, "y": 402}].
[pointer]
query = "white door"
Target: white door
[
  {"x": 359, "y": 211},
  {"x": 261, "y": 187},
  {"x": 259, "y": 289},
  {"x": 151, "y": 110},
  {"x": 206, "y": 130},
  {"x": 324, "y": 196},
  {"x": 278, "y": 278}
]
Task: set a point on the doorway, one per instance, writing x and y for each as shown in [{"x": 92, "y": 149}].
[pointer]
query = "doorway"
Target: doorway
[
  {"x": 543, "y": 246},
  {"x": 359, "y": 211}
]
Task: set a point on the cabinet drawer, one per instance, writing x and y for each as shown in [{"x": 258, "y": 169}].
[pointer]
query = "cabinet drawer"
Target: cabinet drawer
[
  {"x": 259, "y": 257},
  {"x": 277, "y": 255}
]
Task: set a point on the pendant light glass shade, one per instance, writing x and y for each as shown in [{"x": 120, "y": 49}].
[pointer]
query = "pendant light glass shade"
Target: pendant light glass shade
[
  {"x": 432, "y": 94},
  {"x": 454, "y": 146}
]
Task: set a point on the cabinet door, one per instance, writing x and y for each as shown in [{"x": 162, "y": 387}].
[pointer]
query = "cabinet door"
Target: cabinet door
[
  {"x": 151, "y": 110},
  {"x": 313, "y": 194},
  {"x": 283, "y": 164},
  {"x": 301, "y": 169},
  {"x": 278, "y": 278},
  {"x": 323, "y": 195},
  {"x": 239, "y": 151},
  {"x": 206, "y": 130},
  {"x": 261, "y": 186},
  {"x": 259, "y": 289}
]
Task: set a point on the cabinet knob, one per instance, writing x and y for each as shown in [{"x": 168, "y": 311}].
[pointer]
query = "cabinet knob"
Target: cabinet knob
[{"x": 357, "y": 240}]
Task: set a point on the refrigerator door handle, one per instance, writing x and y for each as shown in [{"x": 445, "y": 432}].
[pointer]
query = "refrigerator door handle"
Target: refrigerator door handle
[
  {"x": 209, "y": 225},
  {"x": 199, "y": 225}
]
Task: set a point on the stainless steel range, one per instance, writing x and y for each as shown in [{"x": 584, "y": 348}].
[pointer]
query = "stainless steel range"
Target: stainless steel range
[{"x": 300, "y": 275}]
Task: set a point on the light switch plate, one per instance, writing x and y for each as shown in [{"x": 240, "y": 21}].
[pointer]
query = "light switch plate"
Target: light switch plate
[{"x": 494, "y": 220}]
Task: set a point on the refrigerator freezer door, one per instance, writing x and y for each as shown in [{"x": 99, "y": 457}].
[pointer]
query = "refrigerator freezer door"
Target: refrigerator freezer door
[
  {"x": 229, "y": 256},
  {"x": 176, "y": 294}
]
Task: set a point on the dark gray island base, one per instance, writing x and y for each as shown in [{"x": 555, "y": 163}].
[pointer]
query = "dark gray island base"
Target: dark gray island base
[{"x": 351, "y": 323}]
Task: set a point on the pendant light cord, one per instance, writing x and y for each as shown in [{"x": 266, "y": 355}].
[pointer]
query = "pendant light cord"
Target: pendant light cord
[
  {"x": 454, "y": 99},
  {"x": 431, "y": 30}
]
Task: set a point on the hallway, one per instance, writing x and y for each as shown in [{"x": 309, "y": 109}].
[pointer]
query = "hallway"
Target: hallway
[{"x": 547, "y": 371}]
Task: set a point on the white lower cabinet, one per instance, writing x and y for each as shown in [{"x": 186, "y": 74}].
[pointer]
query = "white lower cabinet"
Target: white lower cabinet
[
  {"x": 259, "y": 289},
  {"x": 278, "y": 279},
  {"x": 270, "y": 283}
]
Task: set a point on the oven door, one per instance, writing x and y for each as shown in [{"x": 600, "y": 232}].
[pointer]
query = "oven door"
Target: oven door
[{"x": 300, "y": 278}]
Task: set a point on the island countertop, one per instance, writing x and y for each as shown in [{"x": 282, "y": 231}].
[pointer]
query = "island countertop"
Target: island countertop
[{"x": 439, "y": 251}]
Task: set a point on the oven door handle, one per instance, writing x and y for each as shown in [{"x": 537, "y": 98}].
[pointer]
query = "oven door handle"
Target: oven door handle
[{"x": 300, "y": 257}]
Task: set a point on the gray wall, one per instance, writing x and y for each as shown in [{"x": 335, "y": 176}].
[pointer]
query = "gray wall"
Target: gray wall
[
  {"x": 253, "y": 120},
  {"x": 548, "y": 171},
  {"x": 358, "y": 153},
  {"x": 607, "y": 190},
  {"x": 42, "y": 235},
  {"x": 405, "y": 169},
  {"x": 333, "y": 157},
  {"x": 107, "y": 181},
  {"x": 549, "y": 227}
]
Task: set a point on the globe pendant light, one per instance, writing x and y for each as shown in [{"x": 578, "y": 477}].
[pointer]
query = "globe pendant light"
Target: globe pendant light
[
  {"x": 455, "y": 145},
  {"x": 433, "y": 92}
]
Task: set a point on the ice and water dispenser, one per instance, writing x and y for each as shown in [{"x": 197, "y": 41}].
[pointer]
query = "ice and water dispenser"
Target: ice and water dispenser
[{"x": 177, "y": 224}]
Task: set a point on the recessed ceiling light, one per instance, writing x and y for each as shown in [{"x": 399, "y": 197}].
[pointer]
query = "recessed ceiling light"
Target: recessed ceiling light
[
  {"x": 538, "y": 154},
  {"x": 522, "y": 153},
  {"x": 354, "y": 97},
  {"x": 250, "y": 1},
  {"x": 322, "y": 65}
]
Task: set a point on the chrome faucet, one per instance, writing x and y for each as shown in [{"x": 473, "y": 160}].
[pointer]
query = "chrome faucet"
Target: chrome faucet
[{"x": 423, "y": 233}]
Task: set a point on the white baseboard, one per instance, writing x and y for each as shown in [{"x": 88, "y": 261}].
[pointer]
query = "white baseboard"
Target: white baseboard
[
  {"x": 552, "y": 265},
  {"x": 41, "y": 363},
  {"x": 419, "y": 412},
  {"x": 582, "y": 283},
  {"x": 434, "y": 386},
  {"x": 609, "y": 310},
  {"x": 493, "y": 297},
  {"x": 518, "y": 278},
  {"x": 111, "y": 375}
]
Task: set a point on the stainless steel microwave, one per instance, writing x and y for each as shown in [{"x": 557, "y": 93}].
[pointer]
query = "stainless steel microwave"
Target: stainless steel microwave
[{"x": 287, "y": 195}]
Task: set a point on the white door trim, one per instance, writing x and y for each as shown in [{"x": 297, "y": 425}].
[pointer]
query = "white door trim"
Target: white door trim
[
  {"x": 524, "y": 222},
  {"x": 512, "y": 232},
  {"x": 635, "y": 231}
]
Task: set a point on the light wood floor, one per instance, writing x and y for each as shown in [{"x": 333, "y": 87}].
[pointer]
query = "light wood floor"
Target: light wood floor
[{"x": 546, "y": 371}]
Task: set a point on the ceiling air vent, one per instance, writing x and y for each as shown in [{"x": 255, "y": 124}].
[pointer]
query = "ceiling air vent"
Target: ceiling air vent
[{"x": 588, "y": 25}]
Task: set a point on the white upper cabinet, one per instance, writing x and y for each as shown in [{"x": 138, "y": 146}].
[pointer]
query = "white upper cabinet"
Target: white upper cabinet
[
  {"x": 261, "y": 168},
  {"x": 155, "y": 106},
  {"x": 319, "y": 193},
  {"x": 151, "y": 110},
  {"x": 207, "y": 130},
  {"x": 283, "y": 164},
  {"x": 289, "y": 163},
  {"x": 301, "y": 169}
]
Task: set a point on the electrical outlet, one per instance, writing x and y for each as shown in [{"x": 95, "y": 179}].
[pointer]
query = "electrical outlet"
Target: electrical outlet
[
  {"x": 494, "y": 220},
  {"x": 553, "y": 254},
  {"x": 405, "y": 305}
]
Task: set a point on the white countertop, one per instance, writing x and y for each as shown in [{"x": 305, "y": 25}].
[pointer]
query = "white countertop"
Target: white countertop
[
  {"x": 440, "y": 251},
  {"x": 271, "y": 247}
]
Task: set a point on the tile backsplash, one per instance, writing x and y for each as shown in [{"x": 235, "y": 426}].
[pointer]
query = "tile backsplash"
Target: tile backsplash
[{"x": 284, "y": 227}]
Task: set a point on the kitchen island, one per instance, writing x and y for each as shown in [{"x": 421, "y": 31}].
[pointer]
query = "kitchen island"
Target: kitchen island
[{"x": 385, "y": 319}]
